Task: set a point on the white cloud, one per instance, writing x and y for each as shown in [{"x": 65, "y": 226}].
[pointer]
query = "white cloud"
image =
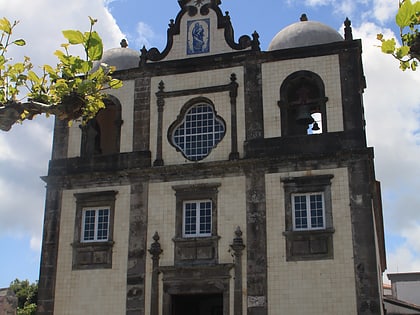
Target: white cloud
[
  {"x": 403, "y": 260},
  {"x": 26, "y": 149},
  {"x": 384, "y": 10},
  {"x": 392, "y": 106},
  {"x": 144, "y": 35},
  {"x": 346, "y": 7},
  {"x": 380, "y": 10}
]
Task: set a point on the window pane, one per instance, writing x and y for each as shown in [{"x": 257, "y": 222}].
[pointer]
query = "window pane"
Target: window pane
[
  {"x": 197, "y": 218},
  {"x": 190, "y": 218},
  {"x": 89, "y": 225},
  {"x": 205, "y": 217},
  {"x": 301, "y": 215},
  {"x": 103, "y": 222},
  {"x": 317, "y": 215}
]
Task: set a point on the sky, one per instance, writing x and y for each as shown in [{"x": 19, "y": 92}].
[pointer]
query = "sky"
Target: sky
[{"x": 392, "y": 107}]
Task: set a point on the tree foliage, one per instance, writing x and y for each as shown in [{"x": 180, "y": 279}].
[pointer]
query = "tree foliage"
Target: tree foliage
[
  {"x": 70, "y": 90},
  {"x": 408, "y": 20},
  {"x": 27, "y": 295}
]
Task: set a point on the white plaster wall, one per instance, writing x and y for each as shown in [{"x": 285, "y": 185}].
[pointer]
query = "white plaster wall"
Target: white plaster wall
[
  {"x": 231, "y": 214},
  {"x": 315, "y": 287},
  {"x": 217, "y": 38},
  {"x": 274, "y": 73},
  {"x": 97, "y": 291},
  {"x": 173, "y": 107},
  {"x": 126, "y": 97}
]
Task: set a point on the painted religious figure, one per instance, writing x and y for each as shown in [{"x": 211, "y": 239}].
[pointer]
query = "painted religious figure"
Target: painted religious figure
[{"x": 198, "y": 37}]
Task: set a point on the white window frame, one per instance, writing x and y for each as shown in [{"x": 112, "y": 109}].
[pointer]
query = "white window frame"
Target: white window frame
[
  {"x": 197, "y": 219},
  {"x": 96, "y": 224},
  {"x": 308, "y": 211}
]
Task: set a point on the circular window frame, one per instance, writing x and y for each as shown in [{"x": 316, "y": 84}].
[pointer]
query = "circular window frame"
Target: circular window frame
[{"x": 181, "y": 120}]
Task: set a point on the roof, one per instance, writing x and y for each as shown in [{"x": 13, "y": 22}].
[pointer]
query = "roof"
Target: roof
[
  {"x": 304, "y": 33},
  {"x": 121, "y": 58}
]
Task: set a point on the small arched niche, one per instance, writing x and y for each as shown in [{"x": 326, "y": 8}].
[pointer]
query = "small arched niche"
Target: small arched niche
[
  {"x": 101, "y": 135},
  {"x": 303, "y": 104}
]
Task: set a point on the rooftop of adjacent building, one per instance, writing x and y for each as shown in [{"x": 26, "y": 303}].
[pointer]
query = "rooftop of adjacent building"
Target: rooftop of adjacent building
[{"x": 403, "y": 294}]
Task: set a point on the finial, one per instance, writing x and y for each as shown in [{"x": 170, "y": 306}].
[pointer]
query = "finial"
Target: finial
[
  {"x": 238, "y": 232},
  {"x": 303, "y": 17},
  {"x": 171, "y": 23},
  {"x": 124, "y": 43},
  {"x": 255, "y": 41},
  {"x": 156, "y": 237},
  {"x": 161, "y": 86},
  {"x": 348, "y": 33}
]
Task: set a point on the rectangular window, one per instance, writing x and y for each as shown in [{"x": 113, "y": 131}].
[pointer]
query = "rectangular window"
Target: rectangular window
[
  {"x": 197, "y": 218},
  {"x": 308, "y": 217},
  {"x": 95, "y": 224},
  {"x": 308, "y": 211}
]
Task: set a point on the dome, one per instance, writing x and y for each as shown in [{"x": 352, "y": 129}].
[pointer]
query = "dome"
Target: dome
[
  {"x": 122, "y": 58},
  {"x": 304, "y": 33}
]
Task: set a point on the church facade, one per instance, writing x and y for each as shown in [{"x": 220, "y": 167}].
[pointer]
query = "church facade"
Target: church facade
[{"x": 220, "y": 179}]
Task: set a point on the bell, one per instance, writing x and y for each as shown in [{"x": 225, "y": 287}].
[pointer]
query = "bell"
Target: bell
[
  {"x": 315, "y": 127},
  {"x": 303, "y": 115}
]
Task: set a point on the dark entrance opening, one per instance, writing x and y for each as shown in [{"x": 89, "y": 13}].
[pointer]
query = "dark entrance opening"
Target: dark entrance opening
[{"x": 197, "y": 304}]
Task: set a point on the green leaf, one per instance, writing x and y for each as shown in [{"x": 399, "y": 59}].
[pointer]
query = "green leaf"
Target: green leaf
[
  {"x": 115, "y": 84},
  {"x": 388, "y": 46},
  {"x": 95, "y": 47},
  {"x": 33, "y": 77},
  {"x": 19, "y": 42},
  {"x": 85, "y": 66},
  {"x": 416, "y": 7},
  {"x": 402, "y": 51},
  {"x": 74, "y": 37},
  {"x": 5, "y": 26},
  {"x": 405, "y": 14}
]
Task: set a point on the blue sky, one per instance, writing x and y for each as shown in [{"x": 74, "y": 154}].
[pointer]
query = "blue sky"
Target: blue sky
[{"x": 392, "y": 104}]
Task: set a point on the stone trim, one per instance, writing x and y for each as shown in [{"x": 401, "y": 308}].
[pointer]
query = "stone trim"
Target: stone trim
[
  {"x": 137, "y": 247},
  {"x": 310, "y": 244},
  {"x": 288, "y": 107},
  {"x": 196, "y": 280},
  {"x": 231, "y": 87},
  {"x": 50, "y": 238},
  {"x": 237, "y": 247},
  {"x": 93, "y": 133},
  {"x": 187, "y": 106},
  {"x": 256, "y": 241},
  {"x": 195, "y": 250},
  {"x": 93, "y": 255}
]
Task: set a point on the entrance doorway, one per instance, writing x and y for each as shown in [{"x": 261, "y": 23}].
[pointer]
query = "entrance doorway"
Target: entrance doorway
[{"x": 197, "y": 304}]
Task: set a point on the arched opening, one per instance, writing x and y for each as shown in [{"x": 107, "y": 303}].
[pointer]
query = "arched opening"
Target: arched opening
[
  {"x": 101, "y": 135},
  {"x": 303, "y": 104}
]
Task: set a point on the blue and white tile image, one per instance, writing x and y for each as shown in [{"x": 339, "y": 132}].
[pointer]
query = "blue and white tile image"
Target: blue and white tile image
[{"x": 198, "y": 37}]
